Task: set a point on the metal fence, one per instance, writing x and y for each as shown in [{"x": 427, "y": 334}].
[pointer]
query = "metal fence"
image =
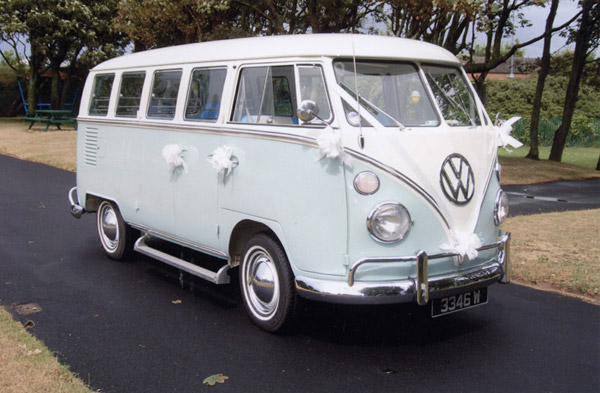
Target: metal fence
[{"x": 582, "y": 134}]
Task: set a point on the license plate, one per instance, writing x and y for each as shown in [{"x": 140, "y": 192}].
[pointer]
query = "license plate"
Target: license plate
[{"x": 451, "y": 304}]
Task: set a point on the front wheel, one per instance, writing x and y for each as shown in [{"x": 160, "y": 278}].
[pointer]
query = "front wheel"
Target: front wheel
[
  {"x": 267, "y": 283},
  {"x": 115, "y": 235}
]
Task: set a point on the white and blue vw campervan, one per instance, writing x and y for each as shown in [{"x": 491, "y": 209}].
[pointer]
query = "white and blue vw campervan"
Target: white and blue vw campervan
[{"x": 344, "y": 168}]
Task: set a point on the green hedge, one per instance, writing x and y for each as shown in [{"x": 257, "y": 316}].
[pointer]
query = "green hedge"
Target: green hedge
[{"x": 583, "y": 133}]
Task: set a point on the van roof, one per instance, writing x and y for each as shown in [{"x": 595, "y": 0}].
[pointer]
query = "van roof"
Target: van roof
[{"x": 285, "y": 46}]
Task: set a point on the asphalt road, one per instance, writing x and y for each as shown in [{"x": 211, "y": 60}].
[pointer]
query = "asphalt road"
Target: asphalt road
[
  {"x": 115, "y": 324},
  {"x": 553, "y": 197}
]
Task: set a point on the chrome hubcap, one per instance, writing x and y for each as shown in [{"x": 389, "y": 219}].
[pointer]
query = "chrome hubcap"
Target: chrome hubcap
[
  {"x": 261, "y": 283},
  {"x": 109, "y": 230}
]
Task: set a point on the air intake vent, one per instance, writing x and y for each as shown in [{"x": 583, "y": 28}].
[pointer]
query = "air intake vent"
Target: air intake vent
[{"x": 90, "y": 149}]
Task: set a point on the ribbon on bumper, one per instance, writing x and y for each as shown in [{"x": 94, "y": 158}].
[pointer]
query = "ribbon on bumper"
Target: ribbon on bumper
[
  {"x": 173, "y": 156},
  {"x": 464, "y": 244}
]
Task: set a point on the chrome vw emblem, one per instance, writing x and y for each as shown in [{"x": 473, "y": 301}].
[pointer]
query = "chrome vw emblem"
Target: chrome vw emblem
[{"x": 457, "y": 180}]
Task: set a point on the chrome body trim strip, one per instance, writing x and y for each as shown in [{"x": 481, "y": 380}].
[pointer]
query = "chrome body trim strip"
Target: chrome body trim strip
[
  {"x": 420, "y": 289},
  {"x": 270, "y": 135},
  {"x": 400, "y": 176}
]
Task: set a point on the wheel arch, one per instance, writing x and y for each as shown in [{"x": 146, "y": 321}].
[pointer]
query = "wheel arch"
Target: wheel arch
[{"x": 242, "y": 232}]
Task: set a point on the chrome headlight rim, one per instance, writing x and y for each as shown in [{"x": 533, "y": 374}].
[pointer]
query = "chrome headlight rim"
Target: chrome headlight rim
[
  {"x": 500, "y": 197},
  {"x": 377, "y": 210},
  {"x": 361, "y": 175},
  {"x": 498, "y": 170}
]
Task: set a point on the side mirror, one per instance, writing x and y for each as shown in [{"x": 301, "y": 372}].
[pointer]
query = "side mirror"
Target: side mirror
[{"x": 308, "y": 110}]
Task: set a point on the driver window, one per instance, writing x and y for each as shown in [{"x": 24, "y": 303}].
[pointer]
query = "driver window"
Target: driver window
[{"x": 266, "y": 95}]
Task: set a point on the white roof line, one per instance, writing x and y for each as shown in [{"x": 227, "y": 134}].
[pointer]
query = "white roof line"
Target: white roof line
[{"x": 284, "y": 46}]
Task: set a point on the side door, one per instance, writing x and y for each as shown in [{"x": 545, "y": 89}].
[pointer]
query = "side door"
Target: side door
[{"x": 195, "y": 191}]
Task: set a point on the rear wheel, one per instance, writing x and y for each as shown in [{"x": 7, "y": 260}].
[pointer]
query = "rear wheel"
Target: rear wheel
[
  {"x": 267, "y": 283},
  {"x": 115, "y": 235}
]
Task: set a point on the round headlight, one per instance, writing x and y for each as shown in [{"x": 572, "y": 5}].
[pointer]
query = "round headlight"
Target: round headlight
[
  {"x": 501, "y": 207},
  {"x": 388, "y": 222},
  {"x": 366, "y": 183}
]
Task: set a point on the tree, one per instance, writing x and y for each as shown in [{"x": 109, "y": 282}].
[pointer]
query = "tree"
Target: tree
[
  {"x": 534, "y": 153},
  {"x": 587, "y": 39},
  {"x": 445, "y": 23},
  {"x": 57, "y": 31}
]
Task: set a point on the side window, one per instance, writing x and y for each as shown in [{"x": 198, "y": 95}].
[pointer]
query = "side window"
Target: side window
[
  {"x": 164, "y": 94},
  {"x": 266, "y": 95},
  {"x": 130, "y": 93},
  {"x": 101, "y": 94},
  {"x": 312, "y": 87},
  {"x": 204, "y": 97}
]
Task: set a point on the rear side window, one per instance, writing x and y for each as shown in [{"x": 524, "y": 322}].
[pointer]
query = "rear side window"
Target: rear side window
[
  {"x": 204, "y": 97},
  {"x": 130, "y": 94},
  {"x": 101, "y": 94},
  {"x": 164, "y": 94}
]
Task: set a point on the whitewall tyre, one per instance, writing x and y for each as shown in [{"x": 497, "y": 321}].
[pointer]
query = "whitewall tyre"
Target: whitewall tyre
[
  {"x": 267, "y": 283},
  {"x": 116, "y": 237}
]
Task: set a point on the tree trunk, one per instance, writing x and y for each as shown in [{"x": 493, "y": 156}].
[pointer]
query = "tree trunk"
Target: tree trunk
[
  {"x": 55, "y": 87},
  {"x": 581, "y": 48},
  {"x": 598, "y": 164},
  {"x": 34, "y": 65},
  {"x": 534, "y": 152}
]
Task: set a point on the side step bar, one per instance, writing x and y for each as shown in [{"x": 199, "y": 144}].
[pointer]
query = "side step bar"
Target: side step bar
[{"x": 220, "y": 277}]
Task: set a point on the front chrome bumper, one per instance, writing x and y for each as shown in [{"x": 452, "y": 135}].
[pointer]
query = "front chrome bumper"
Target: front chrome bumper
[{"x": 420, "y": 288}]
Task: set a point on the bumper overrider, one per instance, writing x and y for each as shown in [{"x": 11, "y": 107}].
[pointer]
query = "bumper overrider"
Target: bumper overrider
[
  {"x": 420, "y": 288},
  {"x": 76, "y": 209}
]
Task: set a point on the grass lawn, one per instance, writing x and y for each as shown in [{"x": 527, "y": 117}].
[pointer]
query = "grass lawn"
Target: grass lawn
[
  {"x": 567, "y": 259},
  {"x": 26, "y": 365},
  {"x": 578, "y": 163}
]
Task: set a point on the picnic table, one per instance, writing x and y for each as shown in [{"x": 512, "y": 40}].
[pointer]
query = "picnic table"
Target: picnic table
[{"x": 51, "y": 116}]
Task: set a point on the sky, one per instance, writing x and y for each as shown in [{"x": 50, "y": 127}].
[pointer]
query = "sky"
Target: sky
[{"x": 537, "y": 16}]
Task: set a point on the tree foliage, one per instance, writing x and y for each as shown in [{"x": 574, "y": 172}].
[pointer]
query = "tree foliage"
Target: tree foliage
[{"x": 59, "y": 31}]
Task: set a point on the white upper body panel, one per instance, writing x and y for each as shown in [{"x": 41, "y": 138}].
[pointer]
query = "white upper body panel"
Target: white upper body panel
[{"x": 278, "y": 47}]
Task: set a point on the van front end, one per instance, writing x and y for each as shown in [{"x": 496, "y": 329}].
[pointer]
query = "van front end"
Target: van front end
[{"x": 416, "y": 265}]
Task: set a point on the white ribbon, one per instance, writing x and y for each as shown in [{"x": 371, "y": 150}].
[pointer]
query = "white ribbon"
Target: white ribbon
[
  {"x": 330, "y": 146},
  {"x": 221, "y": 160},
  {"x": 173, "y": 156},
  {"x": 464, "y": 244},
  {"x": 503, "y": 132}
]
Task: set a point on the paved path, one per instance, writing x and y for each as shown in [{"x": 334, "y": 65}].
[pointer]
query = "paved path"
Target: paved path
[
  {"x": 116, "y": 326},
  {"x": 553, "y": 197}
]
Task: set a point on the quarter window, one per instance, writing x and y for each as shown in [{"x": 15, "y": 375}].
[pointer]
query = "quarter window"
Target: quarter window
[
  {"x": 164, "y": 94},
  {"x": 130, "y": 94},
  {"x": 101, "y": 94},
  {"x": 312, "y": 87},
  {"x": 204, "y": 98}
]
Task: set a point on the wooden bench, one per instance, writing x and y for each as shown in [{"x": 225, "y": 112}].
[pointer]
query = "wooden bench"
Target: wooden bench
[{"x": 56, "y": 117}]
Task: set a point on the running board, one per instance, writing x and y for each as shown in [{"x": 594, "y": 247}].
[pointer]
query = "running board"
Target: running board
[{"x": 220, "y": 277}]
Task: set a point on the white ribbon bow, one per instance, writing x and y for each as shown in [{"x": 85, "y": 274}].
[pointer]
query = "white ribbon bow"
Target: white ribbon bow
[
  {"x": 173, "y": 156},
  {"x": 221, "y": 160},
  {"x": 464, "y": 244},
  {"x": 330, "y": 146},
  {"x": 503, "y": 131}
]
